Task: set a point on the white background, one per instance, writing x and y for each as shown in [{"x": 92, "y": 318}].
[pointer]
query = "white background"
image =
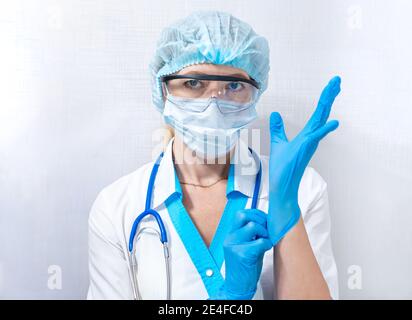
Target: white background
[{"x": 76, "y": 114}]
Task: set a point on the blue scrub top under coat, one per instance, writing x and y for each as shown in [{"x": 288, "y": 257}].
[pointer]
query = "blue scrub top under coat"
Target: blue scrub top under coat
[{"x": 205, "y": 258}]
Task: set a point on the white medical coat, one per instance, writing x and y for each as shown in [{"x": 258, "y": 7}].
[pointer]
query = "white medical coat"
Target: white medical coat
[{"x": 194, "y": 266}]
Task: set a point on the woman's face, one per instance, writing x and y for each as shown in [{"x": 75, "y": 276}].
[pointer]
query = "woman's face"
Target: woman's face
[{"x": 213, "y": 89}]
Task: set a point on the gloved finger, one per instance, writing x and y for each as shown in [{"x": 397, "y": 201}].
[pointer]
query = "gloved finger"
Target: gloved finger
[
  {"x": 320, "y": 133},
  {"x": 322, "y": 111},
  {"x": 249, "y": 232},
  {"x": 242, "y": 217},
  {"x": 277, "y": 129},
  {"x": 261, "y": 245},
  {"x": 253, "y": 250}
]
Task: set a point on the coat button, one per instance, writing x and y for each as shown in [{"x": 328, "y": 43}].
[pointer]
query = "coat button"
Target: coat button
[{"x": 209, "y": 272}]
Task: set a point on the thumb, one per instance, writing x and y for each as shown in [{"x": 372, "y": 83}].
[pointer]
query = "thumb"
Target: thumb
[{"x": 277, "y": 130}]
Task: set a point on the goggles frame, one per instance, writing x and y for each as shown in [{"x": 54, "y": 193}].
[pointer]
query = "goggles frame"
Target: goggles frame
[{"x": 210, "y": 77}]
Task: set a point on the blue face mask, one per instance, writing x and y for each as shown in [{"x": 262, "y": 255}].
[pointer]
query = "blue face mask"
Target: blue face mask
[{"x": 210, "y": 133}]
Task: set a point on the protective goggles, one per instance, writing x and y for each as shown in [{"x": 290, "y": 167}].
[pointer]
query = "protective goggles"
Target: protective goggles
[{"x": 196, "y": 91}]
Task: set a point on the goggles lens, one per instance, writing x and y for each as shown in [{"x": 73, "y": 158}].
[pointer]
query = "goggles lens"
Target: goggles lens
[
  {"x": 234, "y": 90},
  {"x": 200, "y": 105}
]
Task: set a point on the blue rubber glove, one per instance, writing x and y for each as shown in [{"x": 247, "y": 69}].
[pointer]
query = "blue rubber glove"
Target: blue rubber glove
[
  {"x": 244, "y": 248},
  {"x": 288, "y": 161}
]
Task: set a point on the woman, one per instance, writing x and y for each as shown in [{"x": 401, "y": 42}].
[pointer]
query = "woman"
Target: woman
[{"x": 226, "y": 241}]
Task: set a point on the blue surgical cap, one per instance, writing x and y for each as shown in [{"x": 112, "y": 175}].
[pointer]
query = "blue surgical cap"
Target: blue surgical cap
[{"x": 209, "y": 37}]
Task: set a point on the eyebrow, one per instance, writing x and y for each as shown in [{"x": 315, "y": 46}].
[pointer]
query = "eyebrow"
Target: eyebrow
[{"x": 239, "y": 75}]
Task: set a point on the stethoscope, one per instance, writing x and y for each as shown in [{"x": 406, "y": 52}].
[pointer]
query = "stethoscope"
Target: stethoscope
[{"x": 161, "y": 233}]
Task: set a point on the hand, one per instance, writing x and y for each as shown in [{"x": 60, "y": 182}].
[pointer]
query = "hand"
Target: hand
[
  {"x": 244, "y": 248},
  {"x": 288, "y": 161}
]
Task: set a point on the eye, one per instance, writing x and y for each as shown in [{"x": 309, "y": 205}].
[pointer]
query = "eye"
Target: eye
[
  {"x": 235, "y": 86},
  {"x": 193, "y": 84}
]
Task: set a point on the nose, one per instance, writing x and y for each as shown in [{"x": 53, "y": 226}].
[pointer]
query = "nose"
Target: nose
[{"x": 215, "y": 89}]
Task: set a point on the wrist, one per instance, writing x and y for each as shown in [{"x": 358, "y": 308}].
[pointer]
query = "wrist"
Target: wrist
[{"x": 284, "y": 218}]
